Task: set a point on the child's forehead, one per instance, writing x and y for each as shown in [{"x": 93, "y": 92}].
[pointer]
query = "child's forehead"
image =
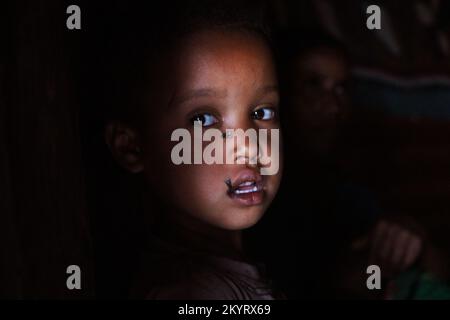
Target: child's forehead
[
  {"x": 214, "y": 56},
  {"x": 215, "y": 64}
]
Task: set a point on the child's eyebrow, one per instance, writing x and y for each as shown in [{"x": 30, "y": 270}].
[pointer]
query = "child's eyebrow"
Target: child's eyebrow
[
  {"x": 198, "y": 93},
  {"x": 216, "y": 93}
]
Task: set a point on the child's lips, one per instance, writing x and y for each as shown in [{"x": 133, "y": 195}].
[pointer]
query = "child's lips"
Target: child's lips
[{"x": 247, "y": 188}]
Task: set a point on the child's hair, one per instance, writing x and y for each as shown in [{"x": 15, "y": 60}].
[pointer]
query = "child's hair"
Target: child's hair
[
  {"x": 293, "y": 43},
  {"x": 145, "y": 33}
]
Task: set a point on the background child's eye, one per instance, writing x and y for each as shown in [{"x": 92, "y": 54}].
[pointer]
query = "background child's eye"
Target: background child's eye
[
  {"x": 206, "y": 119},
  {"x": 263, "y": 114}
]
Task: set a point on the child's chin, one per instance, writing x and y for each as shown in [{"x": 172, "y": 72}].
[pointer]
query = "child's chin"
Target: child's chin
[{"x": 241, "y": 219}]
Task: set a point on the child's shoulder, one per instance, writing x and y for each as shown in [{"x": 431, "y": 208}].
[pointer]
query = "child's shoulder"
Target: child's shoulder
[
  {"x": 202, "y": 284},
  {"x": 173, "y": 273},
  {"x": 180, "y": 276}
]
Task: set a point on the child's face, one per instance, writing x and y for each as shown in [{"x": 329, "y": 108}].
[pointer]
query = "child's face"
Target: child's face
[
  {"x": 319, "y": 97},
  {"x": 220, "y": 78}
]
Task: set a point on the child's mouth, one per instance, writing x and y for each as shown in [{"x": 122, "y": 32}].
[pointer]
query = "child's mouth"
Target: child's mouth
[{"x": 247, "y": 189}]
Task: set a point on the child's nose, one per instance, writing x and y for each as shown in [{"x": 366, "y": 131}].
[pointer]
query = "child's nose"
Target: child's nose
[
  {"x": 247, "y": 152},
  {"x": 242, "y": 145}
]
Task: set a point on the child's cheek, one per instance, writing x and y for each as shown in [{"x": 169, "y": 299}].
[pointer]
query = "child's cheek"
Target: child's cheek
[
  {"x": 200, "y": 191},
  {"x": 201, "y": 182}
]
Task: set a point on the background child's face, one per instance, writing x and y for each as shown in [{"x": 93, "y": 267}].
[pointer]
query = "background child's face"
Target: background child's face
[
  {"x": 318, "y": 95},
  {"x": 220, "y": 78}
]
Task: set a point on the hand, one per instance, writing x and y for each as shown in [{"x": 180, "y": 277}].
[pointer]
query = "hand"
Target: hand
[{"x": 394, "y": 247}]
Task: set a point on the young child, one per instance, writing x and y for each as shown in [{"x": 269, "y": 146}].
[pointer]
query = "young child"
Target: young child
[
  {"x": 207, "y": 63},
  {"x": 334, "y": 229}
]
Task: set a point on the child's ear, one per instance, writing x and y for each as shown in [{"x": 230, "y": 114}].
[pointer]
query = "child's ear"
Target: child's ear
[{"x": 123, "y": 141}]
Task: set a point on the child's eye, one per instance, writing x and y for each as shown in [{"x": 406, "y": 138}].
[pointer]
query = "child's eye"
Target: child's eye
[
  {"x": 263, "y": 114},
  {"x": 206, "y": 119}
]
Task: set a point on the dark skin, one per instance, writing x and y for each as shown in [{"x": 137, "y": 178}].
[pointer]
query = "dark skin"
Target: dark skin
[
  {"x": 220, "y": 78},
  {"x": 318, "y": 97}
]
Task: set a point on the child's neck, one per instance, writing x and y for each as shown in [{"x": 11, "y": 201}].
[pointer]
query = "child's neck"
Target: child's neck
[{"x": 198, "y": 236}]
